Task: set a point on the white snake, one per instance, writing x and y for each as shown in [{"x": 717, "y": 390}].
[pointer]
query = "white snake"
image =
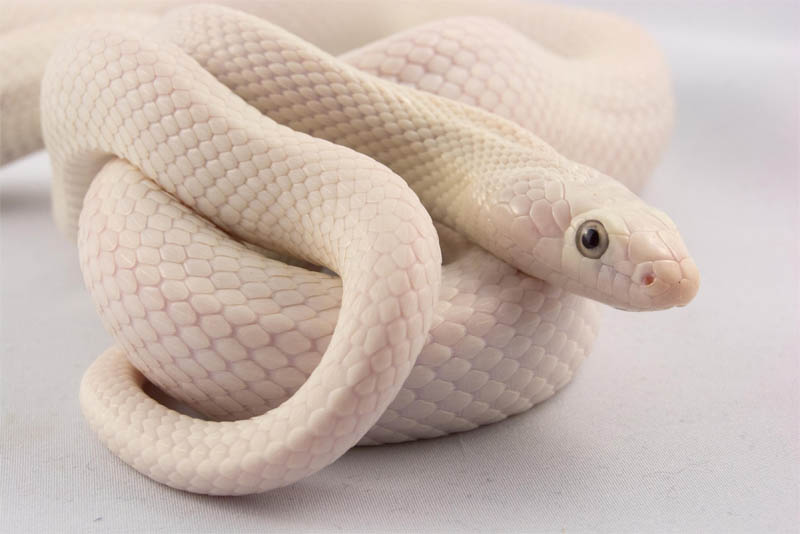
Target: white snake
[{"x": 190, "y": 183}]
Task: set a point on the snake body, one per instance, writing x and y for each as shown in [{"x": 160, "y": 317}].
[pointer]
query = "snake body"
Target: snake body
[{"x": 185, "y": 151}]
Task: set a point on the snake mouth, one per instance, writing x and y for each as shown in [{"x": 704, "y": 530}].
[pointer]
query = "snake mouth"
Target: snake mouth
[{"x": 690, "y": 284}]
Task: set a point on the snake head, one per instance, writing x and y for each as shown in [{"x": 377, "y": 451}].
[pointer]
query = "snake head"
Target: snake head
[
  {"x": 593, "y": 237},
  {"x": 630, "y": 256}
]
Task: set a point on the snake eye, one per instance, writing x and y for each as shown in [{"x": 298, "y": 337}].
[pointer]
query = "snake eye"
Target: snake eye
[{"x": 591, "y": 239}]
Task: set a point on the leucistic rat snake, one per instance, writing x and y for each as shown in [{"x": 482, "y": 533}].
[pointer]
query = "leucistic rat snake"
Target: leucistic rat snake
[{"x": 208, "y": 159}]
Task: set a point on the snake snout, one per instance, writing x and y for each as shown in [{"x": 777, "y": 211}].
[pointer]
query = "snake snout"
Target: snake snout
[
  {"x": 667, "y": 283},
  {"x": 689, "y": 284},
  {"x": 665, "y": 274}
]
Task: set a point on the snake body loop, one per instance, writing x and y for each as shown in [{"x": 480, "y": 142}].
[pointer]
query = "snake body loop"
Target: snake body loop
[
  {"x": 299, "y": 188},
  {"x": 187, "y": 147}
]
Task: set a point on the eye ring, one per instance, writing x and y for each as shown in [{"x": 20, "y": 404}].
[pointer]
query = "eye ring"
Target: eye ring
[{"x": 591, "y": 239}]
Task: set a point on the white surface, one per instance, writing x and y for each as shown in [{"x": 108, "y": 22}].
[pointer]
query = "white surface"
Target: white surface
[{"x": 682, "y": 420}]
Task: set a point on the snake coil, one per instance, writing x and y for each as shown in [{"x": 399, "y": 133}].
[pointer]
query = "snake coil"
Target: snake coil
[{"x": 210, "y": 161}]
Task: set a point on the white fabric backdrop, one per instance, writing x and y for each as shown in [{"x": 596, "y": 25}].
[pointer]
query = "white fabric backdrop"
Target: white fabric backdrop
[{"x": 684, "y": 420}]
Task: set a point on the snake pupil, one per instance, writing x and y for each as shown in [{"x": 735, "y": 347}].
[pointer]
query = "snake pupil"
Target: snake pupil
[{"x": 590, "y": 238}]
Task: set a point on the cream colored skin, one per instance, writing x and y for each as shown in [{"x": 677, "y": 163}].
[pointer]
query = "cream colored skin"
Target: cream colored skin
[
  {"x": 518, "y": 169},
  {"x": 465, "y": 164}
]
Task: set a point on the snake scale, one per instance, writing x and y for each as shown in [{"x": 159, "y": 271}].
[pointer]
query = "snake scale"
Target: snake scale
[{"x": 450, "y": 161}]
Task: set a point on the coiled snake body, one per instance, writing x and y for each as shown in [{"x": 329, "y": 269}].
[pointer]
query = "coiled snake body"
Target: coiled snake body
[{"x": 185, "y": 147}]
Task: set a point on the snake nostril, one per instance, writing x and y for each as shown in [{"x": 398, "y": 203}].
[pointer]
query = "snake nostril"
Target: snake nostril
[{"x": 649, "y": 279}]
